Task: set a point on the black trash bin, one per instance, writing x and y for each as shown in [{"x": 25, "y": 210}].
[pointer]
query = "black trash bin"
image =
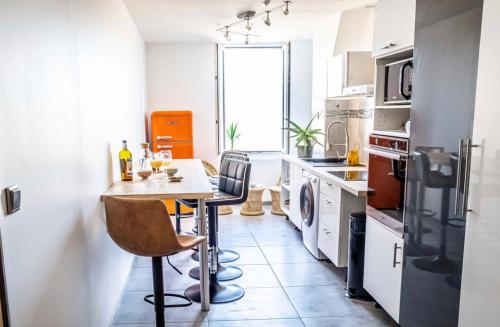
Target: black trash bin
[{"x": 355, "y": 269}]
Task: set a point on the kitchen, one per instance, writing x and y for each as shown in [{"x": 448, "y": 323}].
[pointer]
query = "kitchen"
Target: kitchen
[{"x": 392, "y": 221}]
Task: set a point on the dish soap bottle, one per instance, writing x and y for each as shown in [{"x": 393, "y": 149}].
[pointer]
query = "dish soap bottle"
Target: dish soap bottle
[
  {"x": 353, "y": 157},
  {"x": 126, "y": 163}
]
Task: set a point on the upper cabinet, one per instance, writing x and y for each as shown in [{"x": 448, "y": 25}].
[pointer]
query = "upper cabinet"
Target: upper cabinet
[
  {"x": 394, "y": 27},
  {"x": 350, "y": 73}
]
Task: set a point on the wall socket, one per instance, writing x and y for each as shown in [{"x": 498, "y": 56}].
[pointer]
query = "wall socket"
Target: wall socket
[{"x": 13, "y": 197}]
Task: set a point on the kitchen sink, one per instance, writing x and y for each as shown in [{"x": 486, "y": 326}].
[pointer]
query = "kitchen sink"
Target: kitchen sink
[{"x": 327, "y": 162}]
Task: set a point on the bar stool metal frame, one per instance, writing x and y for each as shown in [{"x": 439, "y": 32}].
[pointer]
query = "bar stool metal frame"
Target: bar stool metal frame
[
  {"x": 233, "y": 189},
  {"x": 225, "y": 255}
]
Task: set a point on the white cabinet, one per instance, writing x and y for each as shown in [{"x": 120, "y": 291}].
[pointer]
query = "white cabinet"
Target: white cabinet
[
  {"x": 383, "y": 267},
  {"x": 349, "y": 70},
  {"x": 394, "y": 26},
  {"x": 334, "y": 209},
  {"x": 330, "y": 230},
  {"x": 295, "y": 185}
]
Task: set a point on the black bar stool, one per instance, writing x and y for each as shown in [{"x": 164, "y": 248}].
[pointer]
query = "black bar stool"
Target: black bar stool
[
  {"x": 225, "y": 255},
  {"x": 234, "y": 181},
  {"x": 431, "y": 178},
  {"x": 143, "y": 227}
]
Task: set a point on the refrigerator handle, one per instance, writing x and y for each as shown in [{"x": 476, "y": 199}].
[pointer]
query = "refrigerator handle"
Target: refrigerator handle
[
  {"x": 468, "y": 154},
  {"x": 459, "y": 176}
]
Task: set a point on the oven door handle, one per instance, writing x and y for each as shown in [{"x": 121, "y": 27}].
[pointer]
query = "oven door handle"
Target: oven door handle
[{"x": 387, "y": 154}]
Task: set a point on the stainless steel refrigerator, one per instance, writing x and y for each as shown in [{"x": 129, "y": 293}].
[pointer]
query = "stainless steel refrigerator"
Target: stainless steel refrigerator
[{"x": 447, "y": 37}]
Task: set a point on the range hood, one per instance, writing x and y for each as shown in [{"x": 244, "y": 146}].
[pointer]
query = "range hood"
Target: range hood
[{"x": 350, "y": 73}]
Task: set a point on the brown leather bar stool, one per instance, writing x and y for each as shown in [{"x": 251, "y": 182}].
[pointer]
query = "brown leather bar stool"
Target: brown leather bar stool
[{"x": 143, "y": 227}]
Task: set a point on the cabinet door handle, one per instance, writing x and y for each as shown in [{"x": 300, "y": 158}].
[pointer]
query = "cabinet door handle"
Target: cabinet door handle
[
  {"x": 387, "y": 46},
  {"x": 164, "y": 146},
  {"x": 328, "y": 202},
  {"x": 394, "y": 262}
]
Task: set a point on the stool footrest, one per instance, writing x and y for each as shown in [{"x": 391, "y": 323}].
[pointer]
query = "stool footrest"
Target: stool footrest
[{"x": 179, "y": 305}]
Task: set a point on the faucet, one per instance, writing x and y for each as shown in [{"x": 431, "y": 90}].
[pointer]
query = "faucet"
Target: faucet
[{"x": 346, "y": 144}]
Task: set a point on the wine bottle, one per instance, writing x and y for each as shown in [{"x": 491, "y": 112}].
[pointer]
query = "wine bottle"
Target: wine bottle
[{"x": 126, "y": 163}]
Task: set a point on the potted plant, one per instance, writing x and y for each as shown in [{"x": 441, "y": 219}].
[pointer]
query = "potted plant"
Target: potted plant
[
  {"x": 232, "y": 134},
  {"x": 305, "y": 138}
]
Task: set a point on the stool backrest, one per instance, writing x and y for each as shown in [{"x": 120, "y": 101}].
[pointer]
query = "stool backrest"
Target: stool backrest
[
  {"x": 141, "y": 226},
  {"x": 422, "y": 166},
  {"x": 234, "y": 178},
  {"x": 234, "y": 154}
]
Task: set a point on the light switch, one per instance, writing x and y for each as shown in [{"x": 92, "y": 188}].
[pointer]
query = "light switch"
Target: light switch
[{"x": 13, "y": 196}]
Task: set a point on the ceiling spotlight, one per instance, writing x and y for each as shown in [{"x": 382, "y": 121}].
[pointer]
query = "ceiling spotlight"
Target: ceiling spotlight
[
  {"x": 226, "y": 32},
  {"x": 286, "y": 11},
  {"x": 246, "y": 39},
  {"x": 266, "y": 2},
  {"x": 249, "y": 27},
  {"x": 267, "y": 21}
]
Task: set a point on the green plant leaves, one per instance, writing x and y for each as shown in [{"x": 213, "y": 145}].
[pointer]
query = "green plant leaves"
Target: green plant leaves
[{"x": 304, "y": 136}]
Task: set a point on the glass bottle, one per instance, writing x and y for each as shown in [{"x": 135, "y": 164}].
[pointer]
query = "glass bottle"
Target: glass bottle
[{"x": 125, "y": 156}]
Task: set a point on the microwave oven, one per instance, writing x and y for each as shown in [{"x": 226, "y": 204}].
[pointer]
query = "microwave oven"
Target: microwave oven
[{"x": 398, "y": 82}]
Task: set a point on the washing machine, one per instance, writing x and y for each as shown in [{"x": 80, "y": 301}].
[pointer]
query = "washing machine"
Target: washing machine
[{"x": 309, "y": 210}]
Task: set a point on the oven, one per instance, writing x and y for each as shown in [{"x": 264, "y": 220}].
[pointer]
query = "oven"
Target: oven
[{"x": 387, "y": 179}]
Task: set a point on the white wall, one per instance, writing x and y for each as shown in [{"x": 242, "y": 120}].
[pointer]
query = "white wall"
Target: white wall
[
  {"x": 301, "y": 65},
  {"x": 182, "y": 76},
  {"x": 480, "y": 291},
  {"x": 71, "y": 82},
  {"x": 323, "y": 46},
  {"x": 350, "y": 30}
]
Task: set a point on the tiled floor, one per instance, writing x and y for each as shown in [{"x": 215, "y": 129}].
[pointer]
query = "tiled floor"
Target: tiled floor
[{"x": 284, "y": 284}]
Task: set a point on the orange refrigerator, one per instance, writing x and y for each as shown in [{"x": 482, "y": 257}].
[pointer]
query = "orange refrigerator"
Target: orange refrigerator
[{"x": 173, "y": 130}]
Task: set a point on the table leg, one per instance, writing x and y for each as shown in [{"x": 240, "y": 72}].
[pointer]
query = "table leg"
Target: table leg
[
  {"x": 177, "y": 217},
  {"x": 158, "y": 291},
  {"x": 203, "y": 247}
]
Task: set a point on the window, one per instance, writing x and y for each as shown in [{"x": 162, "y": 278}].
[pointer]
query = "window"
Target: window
[{"x": 253, "y": 94}]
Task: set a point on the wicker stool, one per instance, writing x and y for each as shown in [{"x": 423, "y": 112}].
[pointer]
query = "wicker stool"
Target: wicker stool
[
  {"x": 253, "y": 205},
  {"x": 276, "y": 199}
]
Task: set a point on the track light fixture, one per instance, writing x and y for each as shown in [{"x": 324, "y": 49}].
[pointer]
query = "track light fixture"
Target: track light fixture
[
  {"x": 286, "y": 10},
  {"x": 247, "y": 39},
  {"x": 267, "y": 21},
  {"x": 246, "y": 16}
]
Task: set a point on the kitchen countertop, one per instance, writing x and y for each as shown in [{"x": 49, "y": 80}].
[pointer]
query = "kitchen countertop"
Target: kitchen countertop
[{"x": 357, "y": 188}]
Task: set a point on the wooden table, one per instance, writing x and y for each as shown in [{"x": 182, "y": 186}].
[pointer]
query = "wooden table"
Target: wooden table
[{"x": 194, "y": 185}]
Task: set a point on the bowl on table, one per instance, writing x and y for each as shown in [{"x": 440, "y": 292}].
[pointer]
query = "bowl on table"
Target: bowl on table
[
  {"x": 145, "y": 174},
  {"x": 171, "y": 171}
]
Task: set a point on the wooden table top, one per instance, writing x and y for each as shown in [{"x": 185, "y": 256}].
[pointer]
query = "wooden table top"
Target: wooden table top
[{"x": 194, "y": 185}]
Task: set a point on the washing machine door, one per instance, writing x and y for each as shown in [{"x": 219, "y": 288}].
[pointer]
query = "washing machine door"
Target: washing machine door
[{"x": 307, "y": 203}]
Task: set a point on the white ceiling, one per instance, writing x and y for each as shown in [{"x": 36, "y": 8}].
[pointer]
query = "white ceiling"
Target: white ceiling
[{"x": 197, "y": 20}]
